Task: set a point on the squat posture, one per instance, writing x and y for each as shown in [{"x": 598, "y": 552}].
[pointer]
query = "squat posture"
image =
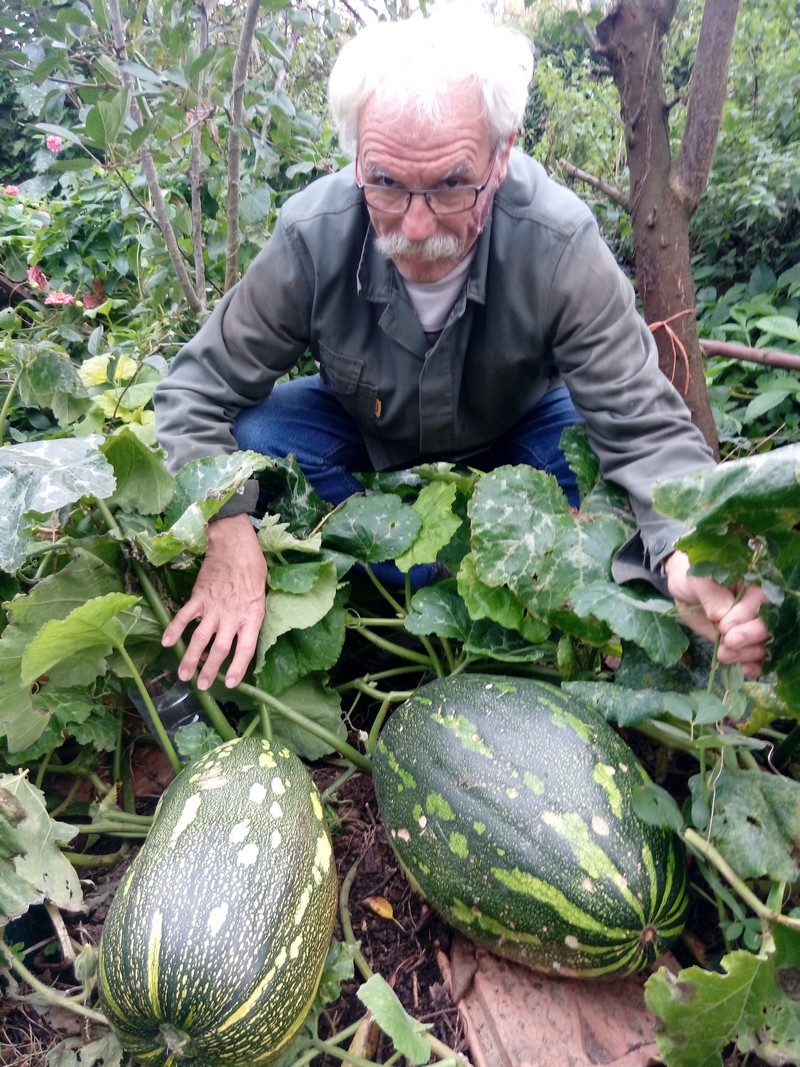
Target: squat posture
[{"x": 460, "y": 306}]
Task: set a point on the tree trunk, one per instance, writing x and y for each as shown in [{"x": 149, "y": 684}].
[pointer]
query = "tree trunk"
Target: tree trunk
[{"x": 664, "y": 193}]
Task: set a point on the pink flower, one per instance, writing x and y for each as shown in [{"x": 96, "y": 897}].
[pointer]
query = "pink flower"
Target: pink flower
[
  {"x": 96, "y": 297},
  {"x": 59, "y": 298},
  {"x": 38, "y": 278},
  {"x": 11, "y": 190},
  {"x": 54, "y": 144}
]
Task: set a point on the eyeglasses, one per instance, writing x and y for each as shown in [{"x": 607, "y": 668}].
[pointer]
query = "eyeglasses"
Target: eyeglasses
[{"x": 449, "y": 200}]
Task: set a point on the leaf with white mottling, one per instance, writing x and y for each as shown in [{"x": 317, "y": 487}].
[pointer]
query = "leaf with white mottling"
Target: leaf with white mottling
[
  {"x": 51, "y": 876},
  {"x": 645, "y": 621},
  {"x": 41, "y": 476},
  {"x": 372, "y": 528},
  {"x": 208, "y": 483},
  {"x": 525, "y": 537}
]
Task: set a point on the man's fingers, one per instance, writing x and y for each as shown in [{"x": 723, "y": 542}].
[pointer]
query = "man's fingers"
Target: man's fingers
[
  {"x": 694, "y": 617},
  {"x": 190, "y": 612},
  {"x": 246, "y": 641},
  {"x": 744, "y": 614}
]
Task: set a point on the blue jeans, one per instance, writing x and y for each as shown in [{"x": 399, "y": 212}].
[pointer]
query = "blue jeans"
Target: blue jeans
[{"x": 304, "y": 417}]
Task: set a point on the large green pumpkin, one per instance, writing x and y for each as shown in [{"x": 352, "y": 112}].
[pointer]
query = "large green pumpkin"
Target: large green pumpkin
[
  {"x": 509, "y": 805},
  {"x": 213, "y": 946}
]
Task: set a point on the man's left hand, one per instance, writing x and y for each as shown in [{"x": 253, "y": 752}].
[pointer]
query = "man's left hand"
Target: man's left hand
[{"x": 712, "y": 610}]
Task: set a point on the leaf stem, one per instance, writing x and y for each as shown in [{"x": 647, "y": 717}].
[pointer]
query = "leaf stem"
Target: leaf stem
[
  {"x": 342, "y": 747},
  {"x": 158, "y": 725},
  {"x": 347, "y": 927},
  {"x": 12, "y": 389},
  {"x": 397, "y": 650},
  {"x": 698, "y": 844},
  {"x": 45, "y": 991}
]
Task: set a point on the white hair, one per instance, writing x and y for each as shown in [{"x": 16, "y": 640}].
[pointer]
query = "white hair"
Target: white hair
[{"x": 418, "y": 62}]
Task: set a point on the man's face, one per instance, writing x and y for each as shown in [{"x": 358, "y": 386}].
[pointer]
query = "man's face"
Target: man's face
[{"x": 396, "y": 148}]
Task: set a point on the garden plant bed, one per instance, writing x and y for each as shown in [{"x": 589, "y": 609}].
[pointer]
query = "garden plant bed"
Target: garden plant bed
[{"x": 493, "y": 1012}]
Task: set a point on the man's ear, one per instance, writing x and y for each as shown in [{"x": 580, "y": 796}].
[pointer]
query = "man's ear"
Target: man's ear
[{"x": 502, "y": 162}]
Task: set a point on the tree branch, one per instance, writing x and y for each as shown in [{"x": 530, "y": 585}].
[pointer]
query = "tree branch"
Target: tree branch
[
  {"x": 235, "y": 141},
  {"x": 194, "y": 167},
  {"x": 148, "y": 166},
  {"x": 707, "y": 90},
  {"x": 611, "y": 191},
  {"x": 769, "y": 357}
]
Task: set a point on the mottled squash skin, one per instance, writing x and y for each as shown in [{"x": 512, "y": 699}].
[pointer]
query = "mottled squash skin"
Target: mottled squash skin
[
  {"x": 213, "y": 946},
  {"x": 509, "y": 805}
]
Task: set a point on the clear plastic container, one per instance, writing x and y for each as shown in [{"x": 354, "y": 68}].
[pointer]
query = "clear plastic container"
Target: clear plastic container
[{"x": 174, "y": 700}]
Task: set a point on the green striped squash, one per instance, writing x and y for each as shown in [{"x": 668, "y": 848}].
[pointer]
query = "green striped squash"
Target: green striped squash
[
  {"x": 508, "y": 804},
  {"x": 213, "y": 947}
]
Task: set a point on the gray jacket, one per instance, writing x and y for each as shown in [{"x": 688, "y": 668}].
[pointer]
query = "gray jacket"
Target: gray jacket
[{"x": 544, "y": 301}]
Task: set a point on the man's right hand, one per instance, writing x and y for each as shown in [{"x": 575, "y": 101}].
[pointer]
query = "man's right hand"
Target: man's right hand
[{"x": 227, "y": 602}]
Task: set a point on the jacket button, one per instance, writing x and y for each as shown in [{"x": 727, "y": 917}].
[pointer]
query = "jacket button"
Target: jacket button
[{"x": 659, "y": 544}]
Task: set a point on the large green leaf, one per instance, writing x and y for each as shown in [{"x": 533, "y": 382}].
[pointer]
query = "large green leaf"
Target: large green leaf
[
  {"x": 434, "y": 505},
  {"x": 41, "y": 476},
  {"x": 94, "y": 627},
  {"x": 525, "y": 537},
  {"x": 298, "y": 611},
  {"x": 209, "y": 482},
  {"x": 372, "y": 528},
  {"x": 649, "y": 622},
  {"x": 312, "y": 697},
  {"x": 751, "y": 1000},
  {"x": 143, "y": 482},
  {"x": 300, "y": 652},
  {"x": 49, "y": 875},
  {"x": 737, "y": 500},
  {"x": 755, "y": 822},
  {"x": 499, "y": 604},
  {"x": 628, "y": 707}
]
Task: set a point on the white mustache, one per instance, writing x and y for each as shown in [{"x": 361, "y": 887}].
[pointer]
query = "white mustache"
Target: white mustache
[{"x": 431, "y": 250}]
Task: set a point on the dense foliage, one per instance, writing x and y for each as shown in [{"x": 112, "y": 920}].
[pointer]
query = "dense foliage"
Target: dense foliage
[{"x": 103, "y": 155}]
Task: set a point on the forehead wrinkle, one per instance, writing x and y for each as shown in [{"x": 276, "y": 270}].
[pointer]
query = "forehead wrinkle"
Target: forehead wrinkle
[{"x": 459, "y": 170}]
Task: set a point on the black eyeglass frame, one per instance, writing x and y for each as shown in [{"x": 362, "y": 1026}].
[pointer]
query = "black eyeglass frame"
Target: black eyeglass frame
[{"x": 425, "y": 193}]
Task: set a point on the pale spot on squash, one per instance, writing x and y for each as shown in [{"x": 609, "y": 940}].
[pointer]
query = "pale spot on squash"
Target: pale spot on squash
[
  {"x": 276, "y": 811},
  {"x": 324, "y": 853},
  {"x": 294, "y": 948},
  {"x": 239, "y": 832},
  {"x": 213, "y": 778},
  {"x": 600, "y": 826},
  {"x": 278, "y": 788},
  {"x": 275, "y": 840},
  {"x": 302, "y": 904},
  {"x": 187, "y": 817},
  {"x": 216, "y": 918},
  {"x": 258, "y": 793},
  {"x": 571, "y": 941},
  {"x": 248, "y": 855},
  {"x": 266, "y": 759},
  {"x": 404, "y": 835}
]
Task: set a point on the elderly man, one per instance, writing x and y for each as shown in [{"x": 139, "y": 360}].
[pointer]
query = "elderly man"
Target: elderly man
[{"x": 460, "y": 306}]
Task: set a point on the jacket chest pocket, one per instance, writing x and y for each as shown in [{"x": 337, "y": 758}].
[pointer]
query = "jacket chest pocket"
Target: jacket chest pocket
[{"x": 344, "y": 375}]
